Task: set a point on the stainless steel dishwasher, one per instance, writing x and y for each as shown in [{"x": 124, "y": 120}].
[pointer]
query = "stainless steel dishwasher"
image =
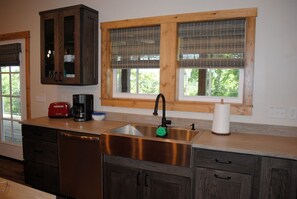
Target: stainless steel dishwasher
[{"x": 80, "y": 165}]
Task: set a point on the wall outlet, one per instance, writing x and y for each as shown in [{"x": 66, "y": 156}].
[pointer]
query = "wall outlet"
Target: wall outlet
[
  {"x": 277, "y": 112},
  {"x": 292, "y": 113},
  {"x": 63, "y": 98},
  {"x": 40, "y": 98}
]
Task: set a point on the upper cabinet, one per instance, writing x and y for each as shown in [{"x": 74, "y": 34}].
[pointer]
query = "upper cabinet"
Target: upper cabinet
[{"x": 69, "y": 46}]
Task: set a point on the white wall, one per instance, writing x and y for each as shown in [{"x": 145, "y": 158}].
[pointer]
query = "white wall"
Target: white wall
[{"x": 275, "y": 83}]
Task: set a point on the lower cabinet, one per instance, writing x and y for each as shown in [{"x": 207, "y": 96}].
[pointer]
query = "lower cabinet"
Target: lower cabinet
[
  {"x": 159, "y": 185},
  {"x": 128, "y": 182},
  {"x": 221, "y": 175},
  {"x": 67, "y": 164},
  {"x": 42, "y": 176},
  {"x": 122, "y": 182},
  {"x": 278, "y": 178},
  {"x": 40, "y": 149}
]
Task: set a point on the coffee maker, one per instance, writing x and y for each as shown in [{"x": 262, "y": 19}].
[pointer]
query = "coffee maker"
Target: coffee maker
[{"x": 82, "y": 107}]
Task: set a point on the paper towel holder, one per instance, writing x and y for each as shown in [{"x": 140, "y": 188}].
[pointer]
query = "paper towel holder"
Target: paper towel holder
[{"x": 221, "y": 119}]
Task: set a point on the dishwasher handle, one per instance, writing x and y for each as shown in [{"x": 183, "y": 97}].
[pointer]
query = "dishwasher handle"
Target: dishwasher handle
[{"x": 80, "y": 137}]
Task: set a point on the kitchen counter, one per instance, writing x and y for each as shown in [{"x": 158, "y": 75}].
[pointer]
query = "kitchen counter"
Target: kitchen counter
[
  {"x": 264, "y": 145},
  {"x": 12, "y": 190},
  {"x": 91, "y": 126}
]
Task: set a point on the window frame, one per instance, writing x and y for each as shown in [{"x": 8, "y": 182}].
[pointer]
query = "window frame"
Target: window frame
[
  {"x": 23, "y": 38},
  {"x": 128, "y": 95},
  {"x": 26, "y": 36},
  {"x": 238, "y": 99},
  {"x": 168, "y": 61}
]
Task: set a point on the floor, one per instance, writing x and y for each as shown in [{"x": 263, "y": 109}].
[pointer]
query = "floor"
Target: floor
[{"x": 12, "y": 169}]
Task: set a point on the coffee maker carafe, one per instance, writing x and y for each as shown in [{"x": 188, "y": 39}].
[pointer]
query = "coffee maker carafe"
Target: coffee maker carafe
[{"x": 82, "y": 107}]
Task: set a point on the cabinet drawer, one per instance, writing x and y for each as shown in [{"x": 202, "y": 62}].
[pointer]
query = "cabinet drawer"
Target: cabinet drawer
[
  {"x": 225, "y": 161},
  {"x": 39, "y": 133},
  {"x": 39, "y": 151},
  {"x": 212, "y": 183},
  {"x": 42, "y": 177}
]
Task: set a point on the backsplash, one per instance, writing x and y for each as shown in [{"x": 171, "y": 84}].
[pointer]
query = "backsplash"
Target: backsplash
[{"x": 237, "y": 127}]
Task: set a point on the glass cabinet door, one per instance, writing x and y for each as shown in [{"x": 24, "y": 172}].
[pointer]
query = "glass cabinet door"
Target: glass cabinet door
[
  {"x": 49, "y": 48},
  {"x": 59, "y": 52},
  {"x": 49, "y": 64},
  {"x": 69, "y": 48},
  {"x": 71, "y": 44}
]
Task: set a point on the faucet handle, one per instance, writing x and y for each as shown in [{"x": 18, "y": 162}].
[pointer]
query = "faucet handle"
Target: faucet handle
[
  {"x": 165, "y": 122},
  {"x": 192, "y": 126},
  {"x": 168, "y": 122}
]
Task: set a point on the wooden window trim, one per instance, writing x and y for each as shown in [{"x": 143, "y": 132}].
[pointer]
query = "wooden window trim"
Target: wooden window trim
[
  {"x": 23, "y": 35},
  {"x": 168, "y": 63}
]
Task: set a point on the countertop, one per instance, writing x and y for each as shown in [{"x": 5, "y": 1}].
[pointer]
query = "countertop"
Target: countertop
[
  {"x": 91, "y": 126},
  {"x": 13, "y": 190},
  {"x": 264, "y": 145}
]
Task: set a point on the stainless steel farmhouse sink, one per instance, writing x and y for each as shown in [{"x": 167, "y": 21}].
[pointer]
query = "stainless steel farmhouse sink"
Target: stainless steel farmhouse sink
[
  {"x": 140, "y": 142},
  {"x": 150, "y": 131}
]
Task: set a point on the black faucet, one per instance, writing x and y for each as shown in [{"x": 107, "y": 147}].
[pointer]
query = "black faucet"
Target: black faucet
[{"x": 164, "y": 120}]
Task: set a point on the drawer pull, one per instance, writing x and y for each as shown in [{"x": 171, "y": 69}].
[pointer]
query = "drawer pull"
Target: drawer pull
[
  {"x": 37, "y": 133},
  {"x": 223, "y": 162},
  {"x": 223, "y": 178},
  {"x": 146, "y": 180}
]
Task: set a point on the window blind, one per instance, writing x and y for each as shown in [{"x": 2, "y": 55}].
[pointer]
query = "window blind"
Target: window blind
[
  {"x": 212, "y": 44},
  {"x": 137, "y": 47},
  {"x": 9, "y": 54}
]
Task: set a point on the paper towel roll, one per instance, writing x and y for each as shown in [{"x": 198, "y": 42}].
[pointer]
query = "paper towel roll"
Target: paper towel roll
[{"x": 221, "y": 119}]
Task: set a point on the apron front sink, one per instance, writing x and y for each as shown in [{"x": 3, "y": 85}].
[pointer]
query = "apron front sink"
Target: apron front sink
[{"x": 140, "y": 142}]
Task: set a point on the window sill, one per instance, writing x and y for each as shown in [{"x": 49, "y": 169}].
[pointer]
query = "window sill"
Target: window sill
[{"x": 201, "y": 107}]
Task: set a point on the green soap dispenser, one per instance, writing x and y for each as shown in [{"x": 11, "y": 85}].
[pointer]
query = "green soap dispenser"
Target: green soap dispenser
[{"x": 161, "y": 131}]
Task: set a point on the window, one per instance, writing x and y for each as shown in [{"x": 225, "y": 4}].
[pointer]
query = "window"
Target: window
[
  {"x": 10, "y": 86},
  {"x": 14, "y": 91},
  {"x": 135, "y": 55},
  {"x": 190, "y": 79},
  {"x": 211, "y": 60}
]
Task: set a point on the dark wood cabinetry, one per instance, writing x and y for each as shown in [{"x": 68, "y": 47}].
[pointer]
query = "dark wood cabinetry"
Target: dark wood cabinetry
[
  {"x": 41, "y": 158},
  {"x": 126, "y": 181},
  {"x": 225, "y": 175},
  {"x": 278, "y": 178},
  {"x": 70, "y": 164},
  {"x": 62, "y": 162},
  {"x": 134, "y": 179},
  {"x": 69, "y": 46},
  {"x": 165, "y": 186}
]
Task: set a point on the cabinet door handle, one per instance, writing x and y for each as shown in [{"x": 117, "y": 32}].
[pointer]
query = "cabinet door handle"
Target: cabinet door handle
[
  {"x": 60, "y": 76},
  {"x": 138, "y": 179},
  {"x": 223, "y": 162},
  {"x": 146, "y": 180},
  {"x": 38, "y": 175},
  {"x": 56, "y": 76},
  {"x": 223, "y": 178}
]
